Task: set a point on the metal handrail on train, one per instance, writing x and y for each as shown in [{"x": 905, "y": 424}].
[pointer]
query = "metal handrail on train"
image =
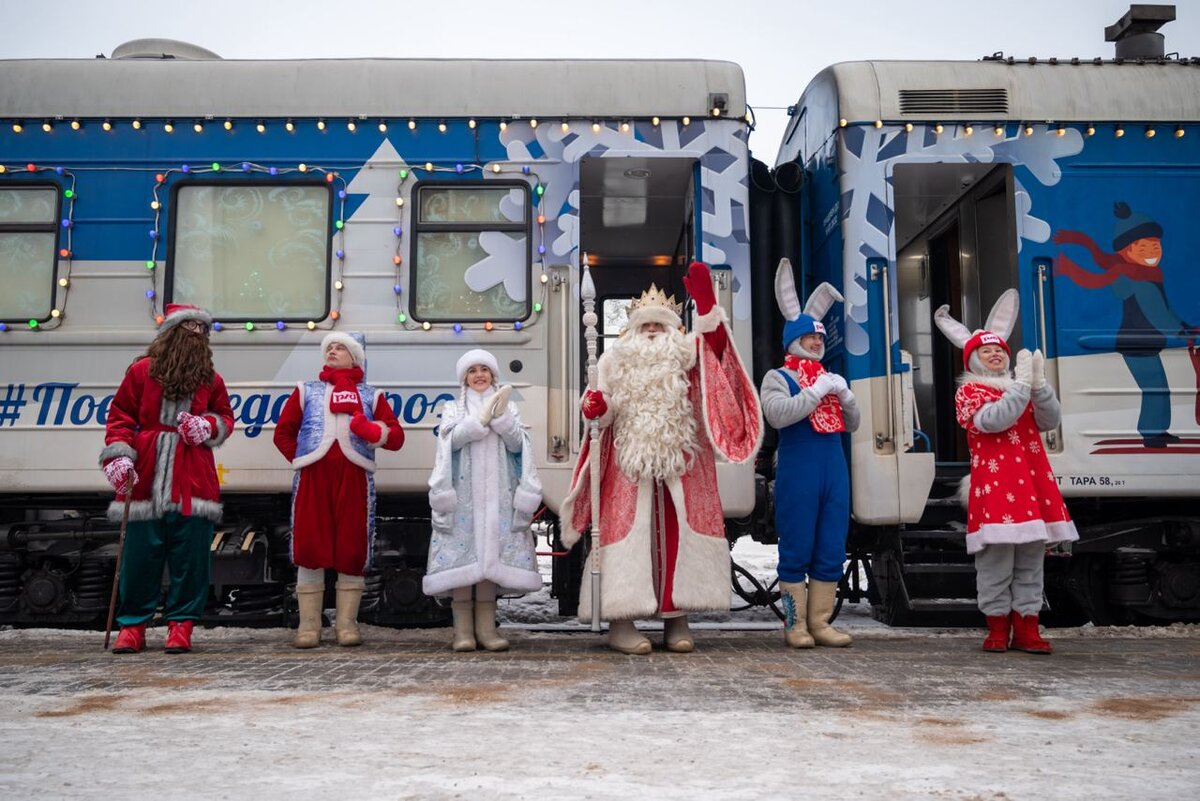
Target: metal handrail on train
[{"x": 881, "y": 439}]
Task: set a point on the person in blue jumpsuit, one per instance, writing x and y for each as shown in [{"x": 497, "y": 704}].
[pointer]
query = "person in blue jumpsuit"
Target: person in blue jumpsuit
[{"x": 811, "y": 408}]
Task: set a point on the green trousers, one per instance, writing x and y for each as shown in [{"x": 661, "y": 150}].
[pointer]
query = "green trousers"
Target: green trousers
[{"x": 182, "y": 544}]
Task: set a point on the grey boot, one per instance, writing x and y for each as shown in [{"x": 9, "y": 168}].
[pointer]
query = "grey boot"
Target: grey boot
[
  {"x": 464, "y": 625},
  {"x": 794, "y": 598},
  {"x": 309, "y": 598},
  {"x": 677, "y": 636},
  {"x": 485, "y": 627},
  {"x": 624, "y": 637},
  {"x": 348, "y": 598},
  {"x": 821, "y": 597}
]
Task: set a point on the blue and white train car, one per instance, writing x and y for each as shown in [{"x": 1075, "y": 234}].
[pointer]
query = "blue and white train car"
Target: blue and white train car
[
  {"x": 1076, "y": 181},
  {"x": 434, "y": 206}
]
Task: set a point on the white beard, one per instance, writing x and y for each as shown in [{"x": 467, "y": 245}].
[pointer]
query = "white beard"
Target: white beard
[{"x": 647, "y": 379}]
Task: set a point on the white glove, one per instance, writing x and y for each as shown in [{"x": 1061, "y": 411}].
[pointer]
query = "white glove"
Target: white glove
[
  {"x": 839, "y": 383},
  {"x": 499, "y": 401},
  {"x": 1024, "y": 370},
  {"x": 1039, "y": 370},
  {"x": 824, "y": 384},
  {"x": 120, "y": 473},
  {"x": 193, "y": 428}
]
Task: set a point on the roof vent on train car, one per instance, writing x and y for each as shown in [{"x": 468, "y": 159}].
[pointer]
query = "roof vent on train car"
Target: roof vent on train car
[
  {"x": 963, "y": 102},
  {"x": 1136, "y": 34},
  {"x": 164, "y": 49}
]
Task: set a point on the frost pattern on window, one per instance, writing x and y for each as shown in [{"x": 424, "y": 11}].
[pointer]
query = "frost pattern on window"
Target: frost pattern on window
[
  {"x": 442, "y": 290},
  {"x": 252, "y": 251}
]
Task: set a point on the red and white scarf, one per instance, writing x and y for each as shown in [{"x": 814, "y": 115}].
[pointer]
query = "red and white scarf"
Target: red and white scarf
[{"x": 827, "y": 417}]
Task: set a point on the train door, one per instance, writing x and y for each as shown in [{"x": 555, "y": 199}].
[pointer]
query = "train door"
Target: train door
[
  {"x": 637, "y": 226},
  {"x": 956, "y": 244}
]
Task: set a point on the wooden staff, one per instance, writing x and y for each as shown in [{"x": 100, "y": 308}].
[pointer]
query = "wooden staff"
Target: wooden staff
[
  {"x": 587, "y": 292},
  {"x": 112, "y": 599}
]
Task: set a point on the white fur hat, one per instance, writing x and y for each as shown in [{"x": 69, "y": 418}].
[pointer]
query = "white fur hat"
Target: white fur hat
[
  {"x": 350, "y": 342},
  {"x": 473, "y": 357}
]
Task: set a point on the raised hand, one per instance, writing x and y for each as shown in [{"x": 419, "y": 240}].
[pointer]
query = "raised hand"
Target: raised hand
[
  {"x": 193, "y": 428},
  {"x": 1038, "y": 370},
  {"x": 698, "y": 283},
  {"x": 1024, "y": 369}
]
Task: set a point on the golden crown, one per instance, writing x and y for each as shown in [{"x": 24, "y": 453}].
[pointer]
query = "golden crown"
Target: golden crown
[{"x": 656, "y": 297}]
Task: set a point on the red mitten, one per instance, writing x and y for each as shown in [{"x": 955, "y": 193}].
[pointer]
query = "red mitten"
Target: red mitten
[
  {"x": 364, "y": 429},
  {"x": 698, "y": 283},
  {"x": 120, "y": 473},
  {"x": 593, "y": 405},
  {"x": 194, "y": 429}
]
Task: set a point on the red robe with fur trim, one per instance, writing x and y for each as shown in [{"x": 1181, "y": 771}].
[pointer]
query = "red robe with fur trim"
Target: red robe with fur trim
[
  {"x": 1014, "y": 497},
  {"x": 691, "y": 569},
  {"x": 172, "y": 475}
]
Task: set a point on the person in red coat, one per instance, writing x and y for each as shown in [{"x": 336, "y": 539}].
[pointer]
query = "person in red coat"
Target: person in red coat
[
  {"x": 329, "y": 430},
  {"x": 169, "y": 413},
  {"x": 1014, "y": 507}
]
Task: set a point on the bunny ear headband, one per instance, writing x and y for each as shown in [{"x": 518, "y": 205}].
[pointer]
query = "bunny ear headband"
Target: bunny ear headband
[
  {"x": 999, "y": 326},
  {"x": 806, "y": 321}
]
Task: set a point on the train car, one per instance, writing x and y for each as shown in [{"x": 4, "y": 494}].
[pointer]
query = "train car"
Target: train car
[
  {"x": 912, "y": 184},
  {"x": 434, "y": 206}
]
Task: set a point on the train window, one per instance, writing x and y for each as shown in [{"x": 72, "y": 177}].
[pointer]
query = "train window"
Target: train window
[
  {"x": 471, "y": 251},
  {"x": 249, "y": 250},
  {"x": 615, "y": 317},
  {"x": 28, "y": 241}
]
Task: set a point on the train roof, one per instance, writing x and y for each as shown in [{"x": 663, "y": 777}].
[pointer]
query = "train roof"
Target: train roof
[
  {"x": 995, "y": 89},
  {"x": 366, "y": 87}
]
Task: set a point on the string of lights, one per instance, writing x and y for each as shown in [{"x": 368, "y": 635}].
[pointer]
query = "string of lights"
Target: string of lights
[{"x": 65, "y": 253}]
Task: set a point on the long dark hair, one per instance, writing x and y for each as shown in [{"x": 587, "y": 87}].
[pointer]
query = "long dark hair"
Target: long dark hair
[{"x": 180, "y": 361}]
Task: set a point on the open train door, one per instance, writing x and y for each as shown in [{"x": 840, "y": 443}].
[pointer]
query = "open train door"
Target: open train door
[
  {"x": 637, "y": 218},
  {"x": 956, "y": 244}
]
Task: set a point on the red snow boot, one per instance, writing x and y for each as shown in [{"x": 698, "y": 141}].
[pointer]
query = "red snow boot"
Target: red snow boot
[
  {"x": 131, "y": 640},
  {"x": 1025, "y": 635},
  {"x": 179, "y": 636},
  {"x": 997, "y": 639}
]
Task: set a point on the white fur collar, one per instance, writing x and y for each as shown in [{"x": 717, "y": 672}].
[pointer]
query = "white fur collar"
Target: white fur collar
[{"x": 1000, "y": 381}]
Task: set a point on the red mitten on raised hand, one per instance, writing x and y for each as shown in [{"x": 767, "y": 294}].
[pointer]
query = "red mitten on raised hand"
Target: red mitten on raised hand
[
  {"x": 194, "y": 429},
  {"x": 698, "y": 283},
  {"x": 593, "y": 404},
  {"x": 364, "y": 429}
]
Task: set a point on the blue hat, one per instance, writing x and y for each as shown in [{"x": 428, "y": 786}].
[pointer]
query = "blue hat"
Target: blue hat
[
  {"x": 1132, "y": 226},
  {"x": 804, "y": 324}
]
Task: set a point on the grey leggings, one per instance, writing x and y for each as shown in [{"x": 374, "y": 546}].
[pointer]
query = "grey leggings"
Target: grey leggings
[{"x": 1010, "y": 577}]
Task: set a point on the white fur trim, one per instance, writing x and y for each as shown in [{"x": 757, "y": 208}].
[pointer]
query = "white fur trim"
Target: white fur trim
[
  {"x": 443, "y": 500},
  {"x": 626, "y": 577},
  {"x": 1018, "y": 533},
  {"x": 653, "y": 314},
  {"x": 505, "y": 424},
  {"x": 182, "y": 314},
  {"x": 474, "y": 357},
  {"x": 221, "y": 431},
  {"x": 144, "y": 510},
  {"x": 357, "y": 354},
  {"x": 383, "y": 435},
  {"x": 703, "y": 562},
  {"x": 1000, "y": 382},
  {"x": 526, "y": 501},
  {"x": 706, "y": 323},
  {"x": 117, "y": 450},
  {"x": 337, "y": 427},
  {"x": 474, "y": 429}
]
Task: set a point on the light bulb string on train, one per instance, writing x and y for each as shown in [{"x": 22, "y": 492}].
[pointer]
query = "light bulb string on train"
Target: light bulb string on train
[
  {"x": 1022, "y": 128},
  {"x": 66, "y": 253}
]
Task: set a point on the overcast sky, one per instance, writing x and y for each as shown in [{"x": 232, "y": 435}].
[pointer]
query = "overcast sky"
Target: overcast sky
[{"x": 781, "y": 44}]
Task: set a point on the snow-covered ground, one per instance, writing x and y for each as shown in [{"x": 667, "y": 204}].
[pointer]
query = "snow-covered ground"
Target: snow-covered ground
[{"x": 904, "y": 714}]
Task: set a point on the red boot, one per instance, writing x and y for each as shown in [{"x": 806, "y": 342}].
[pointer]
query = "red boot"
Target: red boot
[
  {"x": 1026, "y": 636},
  {"x": 997, "y": 639},
  {"x": 179, "y": 636},
  {"x": 131, "y": 640}
]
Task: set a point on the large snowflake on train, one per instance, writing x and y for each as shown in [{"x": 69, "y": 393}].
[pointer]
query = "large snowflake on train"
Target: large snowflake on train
[{"x": 865, "y": 159}]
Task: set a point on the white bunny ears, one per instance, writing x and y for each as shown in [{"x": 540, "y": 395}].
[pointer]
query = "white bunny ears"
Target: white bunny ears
[
  {"x": 818, "y": 303},
  {"x": 1001, "y": 321}
]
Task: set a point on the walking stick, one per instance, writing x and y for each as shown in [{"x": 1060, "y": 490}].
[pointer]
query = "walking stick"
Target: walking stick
[
  {"x": 112, "y": 599},
  {"x": 587, "y": 292}
]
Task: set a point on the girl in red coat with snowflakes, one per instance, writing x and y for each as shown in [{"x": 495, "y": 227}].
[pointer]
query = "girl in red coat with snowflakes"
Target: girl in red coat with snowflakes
[
  {"x": 1014, "y": 507},
  {"x": 329, "y": 430}
]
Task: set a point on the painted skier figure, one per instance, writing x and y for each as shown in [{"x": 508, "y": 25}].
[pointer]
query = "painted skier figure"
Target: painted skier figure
[
  {"x": 1014, "y": 507},
  {"x": 169, "y": 413},
  {"x": 811, "y": 407},
  {"x": 668, "y": 404},
  {"x": 483, "y": 493},
  {"x": 1134, "y": 273},
  {"x": 329, "y": 430}
]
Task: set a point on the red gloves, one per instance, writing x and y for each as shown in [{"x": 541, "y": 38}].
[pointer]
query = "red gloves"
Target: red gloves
[
  {"x": 194, "y": 429},
  {"x": 364, "y": 429},
  {"x": 593, "y": 404},
  {"x": 698, "y": 283},
  {"x": 120, "y": 473}
]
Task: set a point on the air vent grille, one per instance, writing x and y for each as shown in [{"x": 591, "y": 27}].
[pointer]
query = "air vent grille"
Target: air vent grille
[{"x": 958, "y": 102}]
